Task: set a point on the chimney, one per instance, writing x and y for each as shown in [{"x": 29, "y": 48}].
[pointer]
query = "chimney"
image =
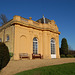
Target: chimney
[{"x": 44, "y": 19}]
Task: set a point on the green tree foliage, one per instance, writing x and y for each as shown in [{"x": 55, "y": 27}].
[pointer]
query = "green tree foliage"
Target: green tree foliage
[
  {"x": 4, "y": 55},
  {"x": 3, "y": 19},
  {"x": 64, "y": 47}
]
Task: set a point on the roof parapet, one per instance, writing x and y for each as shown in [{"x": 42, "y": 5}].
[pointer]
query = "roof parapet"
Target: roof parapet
[
  {"x": 18, "y": 18},
  {"x": 51, "y": 26},
  {"x": 52, "y": 22}
]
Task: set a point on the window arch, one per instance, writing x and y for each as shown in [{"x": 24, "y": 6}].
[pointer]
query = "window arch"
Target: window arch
[
  {"x": 52, "y": 46},
  {"x": 35, "y": 45}
]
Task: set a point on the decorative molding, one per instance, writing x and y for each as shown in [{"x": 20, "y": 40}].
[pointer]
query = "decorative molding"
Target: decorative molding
[{"x": 29, "y": 25}]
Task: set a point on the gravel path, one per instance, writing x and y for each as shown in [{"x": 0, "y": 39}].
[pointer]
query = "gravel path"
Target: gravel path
[{"x": 21, "y": 65}]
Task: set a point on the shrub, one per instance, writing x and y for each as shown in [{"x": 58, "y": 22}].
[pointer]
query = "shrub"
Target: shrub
[
  {"x": 4, "y": 55},
  {"x": 11, "y": 55},
  {"x": 74, "y": 56},
  {"x": 69, "y": 56},
  {"x": 62, "y": 56}
]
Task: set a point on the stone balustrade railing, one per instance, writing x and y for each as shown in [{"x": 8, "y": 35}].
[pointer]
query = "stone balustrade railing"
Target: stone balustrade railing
[{"x": 50, "y": 26}]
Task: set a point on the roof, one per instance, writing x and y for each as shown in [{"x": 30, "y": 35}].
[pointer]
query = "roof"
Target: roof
[{"x": 42, "y": 20}]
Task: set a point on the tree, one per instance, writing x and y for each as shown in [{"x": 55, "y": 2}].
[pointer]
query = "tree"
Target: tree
[
  {"x": 64, "y": 47},
  {"x": 4, "y": 55},
  {"x": 3, "y": 19}
]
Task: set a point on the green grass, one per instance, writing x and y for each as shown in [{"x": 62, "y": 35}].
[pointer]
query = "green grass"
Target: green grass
[{"x": 63, "y": 69}]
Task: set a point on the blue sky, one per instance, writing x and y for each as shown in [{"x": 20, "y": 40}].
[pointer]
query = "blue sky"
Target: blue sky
[{"x": 62, "y": 11}]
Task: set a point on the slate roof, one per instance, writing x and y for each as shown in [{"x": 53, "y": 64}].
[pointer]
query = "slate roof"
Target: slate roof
[{"x": 42, "y": 20}]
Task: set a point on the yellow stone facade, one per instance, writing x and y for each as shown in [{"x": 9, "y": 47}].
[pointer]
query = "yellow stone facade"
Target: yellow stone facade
[{"x": 21, "y": 32}]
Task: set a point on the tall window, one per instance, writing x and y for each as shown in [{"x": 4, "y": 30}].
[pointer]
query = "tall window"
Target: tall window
[
  {"x": 52, "y": 46},
  {"x": 35, "y": 46},
  {"x": 7, "y": 37},
  {"x": 0, "y": 40}
]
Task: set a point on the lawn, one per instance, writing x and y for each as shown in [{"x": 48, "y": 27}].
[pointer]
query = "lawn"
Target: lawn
[{"x": 63, "y": 69}]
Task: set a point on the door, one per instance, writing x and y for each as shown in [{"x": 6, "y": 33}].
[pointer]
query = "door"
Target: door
[{"x": 53, "y": 51}]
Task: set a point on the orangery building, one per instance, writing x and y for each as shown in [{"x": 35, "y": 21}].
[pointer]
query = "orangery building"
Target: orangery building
[{"x": 26, "y": 38}]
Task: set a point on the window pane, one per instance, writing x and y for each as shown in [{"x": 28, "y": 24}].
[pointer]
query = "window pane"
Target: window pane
[
  {"x": 0, "y": 40},
  {"x": 35, "y": 39},
  {"x": 7, "y": 37}
]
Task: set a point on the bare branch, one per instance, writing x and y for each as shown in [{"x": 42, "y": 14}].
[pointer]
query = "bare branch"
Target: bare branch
[{"x": 3, "y": 19}]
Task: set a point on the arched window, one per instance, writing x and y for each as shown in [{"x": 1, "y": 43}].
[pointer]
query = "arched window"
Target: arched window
[
  {"x": 0, "y": 40},
  {"x": 7, "y": 37},
  {"x": 52, "y": 46},
  {"x": 35, "y": 46}
]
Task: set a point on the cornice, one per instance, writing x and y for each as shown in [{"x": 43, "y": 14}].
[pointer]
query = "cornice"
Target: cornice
[
  {"x": 29, "y": 24},
  {"x": 6, "y": 25},
  {"x": 35, "y": 27}
]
